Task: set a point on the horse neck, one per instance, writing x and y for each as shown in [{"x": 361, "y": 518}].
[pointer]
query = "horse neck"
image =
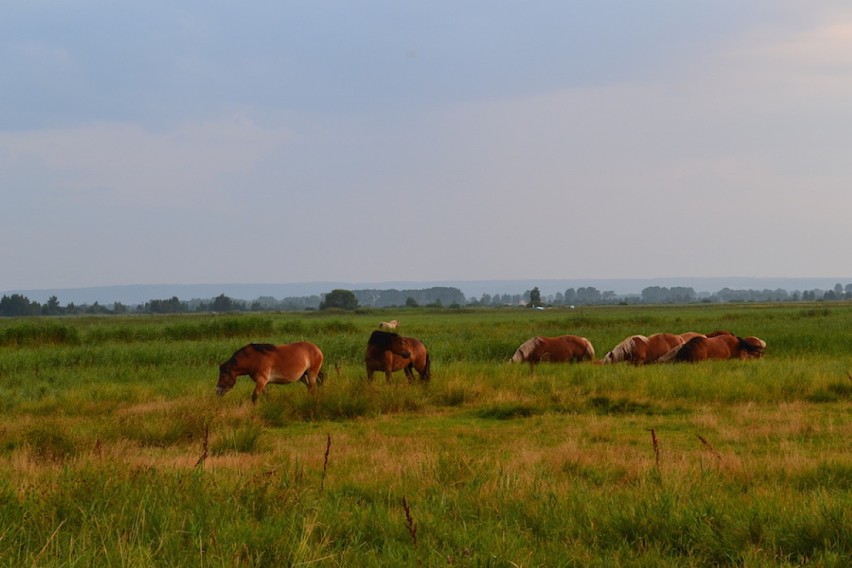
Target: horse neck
[
  {"x": 234, "y": 368},
  {"x": 526, "y": 350},
  {"x": 624, "y": 349}
]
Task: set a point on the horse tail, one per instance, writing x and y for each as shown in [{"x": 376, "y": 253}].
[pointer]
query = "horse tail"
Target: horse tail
[
  {"x": 320, "y": 378},
  {"x": 525, "y": 350},
  {"x": 427, "y": 369},
  {"x": 678, "y": 353},
  {"x": 590, "y": 350}
]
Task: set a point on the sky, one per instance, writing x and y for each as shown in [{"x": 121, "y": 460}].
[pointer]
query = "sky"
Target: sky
[{"x": 161, "y": 142}]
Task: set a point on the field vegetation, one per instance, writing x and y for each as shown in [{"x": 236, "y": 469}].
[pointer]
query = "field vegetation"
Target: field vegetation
[{"x": 115, "y": 450}]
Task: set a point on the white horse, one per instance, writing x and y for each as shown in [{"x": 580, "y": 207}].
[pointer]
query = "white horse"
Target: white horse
[{"x": 391, "y": 326}]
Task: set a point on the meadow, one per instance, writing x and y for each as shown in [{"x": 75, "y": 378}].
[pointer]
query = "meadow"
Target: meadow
[{"x": 115, "y": 450}]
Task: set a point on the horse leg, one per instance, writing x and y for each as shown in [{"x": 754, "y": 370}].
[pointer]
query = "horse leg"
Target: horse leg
[
  {"x": 306, "y": 379},
  {"x": 388, "y": 366},
  {"x": 260, "y": 381},
  {"x": 409, "y": 374}
]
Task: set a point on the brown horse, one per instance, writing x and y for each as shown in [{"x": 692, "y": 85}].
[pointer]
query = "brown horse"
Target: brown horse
[
  {"x": 562, "y": 349},
  {"x": 639, "y": 349},
  {"x": 390, "y": 352},
  {"x": 278, "y": 364},
  {"x": 723, "y": 346}
]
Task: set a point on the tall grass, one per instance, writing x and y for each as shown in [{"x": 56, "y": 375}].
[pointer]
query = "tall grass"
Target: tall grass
[{"x": 101, "y": 435}]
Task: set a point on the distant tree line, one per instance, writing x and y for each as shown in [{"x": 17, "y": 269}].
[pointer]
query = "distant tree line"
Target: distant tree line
[
  {"x": 435, "y": 296},
  {"x": 19, "y": 305},
  {"x": 659, "y": 295},
  {"x": 16, "y": 305}
]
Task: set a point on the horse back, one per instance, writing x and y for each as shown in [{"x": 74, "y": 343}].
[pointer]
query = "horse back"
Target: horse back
[
  {"x": 702, "y": 348},
  {"x": 568, "y": 348},
  {"x": 661, "y": 343},
  {"x": 251, "y": 358},
  {"x": 295, "y": 359}
]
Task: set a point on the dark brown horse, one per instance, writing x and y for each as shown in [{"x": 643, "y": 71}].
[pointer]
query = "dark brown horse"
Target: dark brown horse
[
  {"x": 723, "y": 346},
  {"x": 639, "y": 349},
  {"x": 562, "y": 349},
  {"x": 390, "y": 352},
  {"x": 279, "y": 364}
]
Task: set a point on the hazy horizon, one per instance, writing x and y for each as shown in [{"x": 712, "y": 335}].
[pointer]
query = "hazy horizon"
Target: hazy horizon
[{"x": 141, "y": 293}]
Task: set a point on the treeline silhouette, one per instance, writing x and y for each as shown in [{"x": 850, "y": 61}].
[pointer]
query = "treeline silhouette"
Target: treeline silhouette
[{"x": 17, "y": 305}]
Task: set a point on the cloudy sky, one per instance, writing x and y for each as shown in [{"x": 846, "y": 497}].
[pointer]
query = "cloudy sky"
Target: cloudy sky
[{"x": 294, "y": 141}]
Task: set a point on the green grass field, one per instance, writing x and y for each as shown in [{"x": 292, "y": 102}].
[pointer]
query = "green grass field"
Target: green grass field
[{"x": 117, "y": 452}]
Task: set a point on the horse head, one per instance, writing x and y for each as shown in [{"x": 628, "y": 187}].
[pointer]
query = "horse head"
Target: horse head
[
  {"x": 753, "y": 346},
  {"x": 392, "y": 342},
  {"x": 399, "y": 346},
  {"x": 227, "y": 378}
]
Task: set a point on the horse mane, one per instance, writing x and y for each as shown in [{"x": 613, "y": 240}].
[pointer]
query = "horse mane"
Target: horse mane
[
  {"x": 259, "y": 347},
  {"x": 624, "y": 350},
  {"x": 525, "y": 350},
  {"x": 382, "y": 339}
]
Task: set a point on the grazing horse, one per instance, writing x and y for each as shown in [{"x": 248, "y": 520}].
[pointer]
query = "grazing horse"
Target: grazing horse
[
  {"x": 638, "y": 349},
  {"x": 565, "y": 348},
  {"x": 278, "y": 364},
  {"x": 724, "y": 346},
  {"x": 391, "y": 326},
  {"x": 633, "y": 349},
  {"x": 390, "y": 352}
]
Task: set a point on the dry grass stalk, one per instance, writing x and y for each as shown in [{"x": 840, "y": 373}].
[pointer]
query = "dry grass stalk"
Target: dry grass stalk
[
  {"x": 325, "y": 461},
  {"x": 710, "y": 447},
  {"x": 409, "y": 521},
  {"x": 656, "y": 447},
  {"x": 205, "y": 447}
]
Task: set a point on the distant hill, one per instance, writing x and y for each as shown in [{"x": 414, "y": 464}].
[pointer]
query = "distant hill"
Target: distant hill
[{"x": 139, "y": 294}]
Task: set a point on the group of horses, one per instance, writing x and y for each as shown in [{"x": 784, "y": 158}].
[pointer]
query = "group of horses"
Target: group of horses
[
  {"x": 264, "y": 363},
  {"x": 388, "y": 352},
  {"x": 640, "y": 349}
]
